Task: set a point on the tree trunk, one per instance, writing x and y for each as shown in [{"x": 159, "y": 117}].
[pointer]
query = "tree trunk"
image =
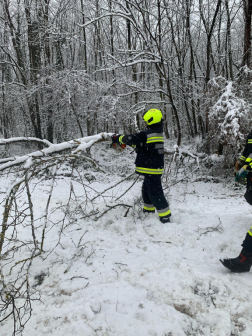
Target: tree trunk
[
  {"x": 230, "y": 61},
  {"x": 181, "y": 77},
  {"x": 247, "y": 32},
  {"x": 84, "y": 36},
  {"x": 209, "y": 31}
]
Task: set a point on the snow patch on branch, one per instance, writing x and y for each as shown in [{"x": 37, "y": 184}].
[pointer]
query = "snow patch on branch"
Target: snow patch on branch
[
  {"x": 24, "y": 139},
  {"x": 81, "y": 144}
]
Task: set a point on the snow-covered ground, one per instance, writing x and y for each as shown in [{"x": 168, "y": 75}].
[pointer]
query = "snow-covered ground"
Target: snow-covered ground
[{"x": 126, "y": 274}]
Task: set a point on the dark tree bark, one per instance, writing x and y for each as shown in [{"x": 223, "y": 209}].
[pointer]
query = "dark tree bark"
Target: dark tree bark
[
  {"x": 181, "y": 75},
  {"x": 35, "y": 64},
  {"x": 229, "y": 50},
  {"x": 247, "y": 32},
  {"x": 209, "y": 28},
  {"x": 209, "y": 31},
  {"x": 84, "y": 35}
]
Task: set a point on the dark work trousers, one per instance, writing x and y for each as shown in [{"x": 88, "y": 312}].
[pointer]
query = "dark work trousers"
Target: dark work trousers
[
  {"x": 153, "y": 196},
  {"x": 247, "y": 243}
]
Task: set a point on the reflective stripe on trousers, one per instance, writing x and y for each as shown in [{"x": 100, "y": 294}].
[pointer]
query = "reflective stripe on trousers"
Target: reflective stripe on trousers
[
  {"x": 153, "y": 195},
  {"x": 151, "y": 171},
  {"x": 164, "y": 212},
  {"x": 149, "y": 207}
]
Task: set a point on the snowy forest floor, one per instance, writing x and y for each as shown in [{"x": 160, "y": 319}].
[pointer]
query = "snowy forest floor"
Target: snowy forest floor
[{"x": 126, "y": 274}]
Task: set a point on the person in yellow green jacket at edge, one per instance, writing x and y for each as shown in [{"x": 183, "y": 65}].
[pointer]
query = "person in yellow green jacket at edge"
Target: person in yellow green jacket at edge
[
  {"x": 243, "y": 262},
  {"x": 149, "y": 146}
]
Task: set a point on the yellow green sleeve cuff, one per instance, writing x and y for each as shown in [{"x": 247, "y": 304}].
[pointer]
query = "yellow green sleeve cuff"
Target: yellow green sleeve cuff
[{"x": 120, "y": 139}]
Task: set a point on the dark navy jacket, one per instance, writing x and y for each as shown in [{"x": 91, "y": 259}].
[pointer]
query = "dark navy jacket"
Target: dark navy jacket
[{"x": 149, "y": 146}]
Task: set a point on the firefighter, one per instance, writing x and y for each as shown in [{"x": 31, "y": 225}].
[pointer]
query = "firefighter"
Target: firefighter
[
  {"x": 243, "y": 262},
  {"x": 149, "y": 146}
]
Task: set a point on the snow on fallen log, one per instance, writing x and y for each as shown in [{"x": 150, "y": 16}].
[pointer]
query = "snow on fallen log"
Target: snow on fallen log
[
  {"x": 76, "y": 146},
  {"x": 24, "y": 139}
]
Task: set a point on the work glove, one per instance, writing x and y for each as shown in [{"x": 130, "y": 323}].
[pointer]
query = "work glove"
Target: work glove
[
  {"x": 242, "y": 172},
  {"x": 115, "y": 138},
  {"x": 239, "y": 164},
  {"x": 117, "y": 144}
]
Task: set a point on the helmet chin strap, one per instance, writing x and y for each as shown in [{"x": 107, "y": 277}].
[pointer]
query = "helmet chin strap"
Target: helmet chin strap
[{"x": 154, "y": 125}]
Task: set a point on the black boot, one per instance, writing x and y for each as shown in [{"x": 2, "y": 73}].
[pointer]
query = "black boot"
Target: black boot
[
  {"x": 240, "y": 264},
  {"x": 165, "y": 220}
]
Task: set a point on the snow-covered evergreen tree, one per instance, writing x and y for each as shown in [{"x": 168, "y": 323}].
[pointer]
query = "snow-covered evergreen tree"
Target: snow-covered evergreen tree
[{"x": 230, "y": 120}]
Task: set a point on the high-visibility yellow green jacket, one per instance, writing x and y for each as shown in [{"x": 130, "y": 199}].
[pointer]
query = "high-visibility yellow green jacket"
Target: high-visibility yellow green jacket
[{"x": 149, "y": 145}]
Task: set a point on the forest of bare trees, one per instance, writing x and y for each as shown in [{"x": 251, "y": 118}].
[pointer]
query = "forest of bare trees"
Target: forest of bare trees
[
  {"x": 72, "y": 73},
  {"x": 71, "y": 68}
]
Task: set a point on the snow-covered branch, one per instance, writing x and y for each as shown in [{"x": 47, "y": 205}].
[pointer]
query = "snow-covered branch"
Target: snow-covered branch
[
  {"x": 24, "y": 139},
  {"x": 184, "y": 152},
  {"x": 120, "y": 14},
  {"x": 76, "y": 146}
]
